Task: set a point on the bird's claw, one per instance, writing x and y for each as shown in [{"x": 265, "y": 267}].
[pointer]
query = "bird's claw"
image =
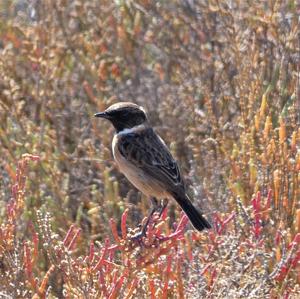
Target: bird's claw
[{"x": 138, "y": 237}]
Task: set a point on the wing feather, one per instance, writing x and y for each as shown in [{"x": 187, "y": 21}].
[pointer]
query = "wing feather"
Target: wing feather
[{"x": 147, "y": 151}]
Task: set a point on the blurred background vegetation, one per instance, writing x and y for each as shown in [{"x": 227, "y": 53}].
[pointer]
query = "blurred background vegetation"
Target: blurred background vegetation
[{"x": 220, "y": 82}]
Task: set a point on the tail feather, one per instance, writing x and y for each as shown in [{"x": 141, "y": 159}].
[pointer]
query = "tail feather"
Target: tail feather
[{"x": 198, "y": 221}]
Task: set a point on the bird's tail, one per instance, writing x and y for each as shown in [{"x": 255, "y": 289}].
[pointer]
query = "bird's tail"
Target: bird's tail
[{"x": 198, "y": 221}]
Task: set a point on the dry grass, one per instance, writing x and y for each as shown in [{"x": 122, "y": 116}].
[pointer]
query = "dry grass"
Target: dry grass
[{"x": 220, "y": 81}]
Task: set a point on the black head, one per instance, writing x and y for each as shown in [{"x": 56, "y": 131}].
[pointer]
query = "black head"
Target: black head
[{"x": 124, "y": 115}]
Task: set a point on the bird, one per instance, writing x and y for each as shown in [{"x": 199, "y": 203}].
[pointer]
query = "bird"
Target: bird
[{"x": 145, "y": 160}]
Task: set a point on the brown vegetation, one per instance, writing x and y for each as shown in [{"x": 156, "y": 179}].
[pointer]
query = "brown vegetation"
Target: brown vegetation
[{"x": 220, "y": 81}]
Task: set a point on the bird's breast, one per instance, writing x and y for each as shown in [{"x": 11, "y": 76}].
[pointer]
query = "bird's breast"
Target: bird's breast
[{"x": 136, "y": 175}]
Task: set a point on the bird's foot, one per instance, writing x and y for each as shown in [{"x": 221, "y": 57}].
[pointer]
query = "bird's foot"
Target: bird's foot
[{"x": 138, "y": 237}]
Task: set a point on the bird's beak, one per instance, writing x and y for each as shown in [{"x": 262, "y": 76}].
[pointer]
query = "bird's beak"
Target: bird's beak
[{"x": 102, "y": 114}]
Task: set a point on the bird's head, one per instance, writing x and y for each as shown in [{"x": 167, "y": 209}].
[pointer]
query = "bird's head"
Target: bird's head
[{"x": 124, "y": 115}]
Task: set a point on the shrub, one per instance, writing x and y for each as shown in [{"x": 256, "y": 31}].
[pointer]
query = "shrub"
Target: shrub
[{"x": 220, "y": 82}]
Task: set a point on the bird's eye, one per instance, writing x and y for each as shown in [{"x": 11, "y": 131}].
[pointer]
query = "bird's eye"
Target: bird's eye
[{"x": 125, "y": 114}]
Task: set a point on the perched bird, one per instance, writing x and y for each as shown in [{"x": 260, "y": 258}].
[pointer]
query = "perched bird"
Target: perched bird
[{"x": 143, "y": 157}]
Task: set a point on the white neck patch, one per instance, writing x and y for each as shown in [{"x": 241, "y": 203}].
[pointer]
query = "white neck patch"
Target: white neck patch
[{"x": 131, "y": 130}]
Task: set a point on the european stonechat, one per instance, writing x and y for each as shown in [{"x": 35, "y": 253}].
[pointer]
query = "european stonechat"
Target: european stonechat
[{"x": 143, "y": 157}]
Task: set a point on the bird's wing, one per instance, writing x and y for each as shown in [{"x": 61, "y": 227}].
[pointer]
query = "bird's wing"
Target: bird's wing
[{"x": 148, "y": 152}]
